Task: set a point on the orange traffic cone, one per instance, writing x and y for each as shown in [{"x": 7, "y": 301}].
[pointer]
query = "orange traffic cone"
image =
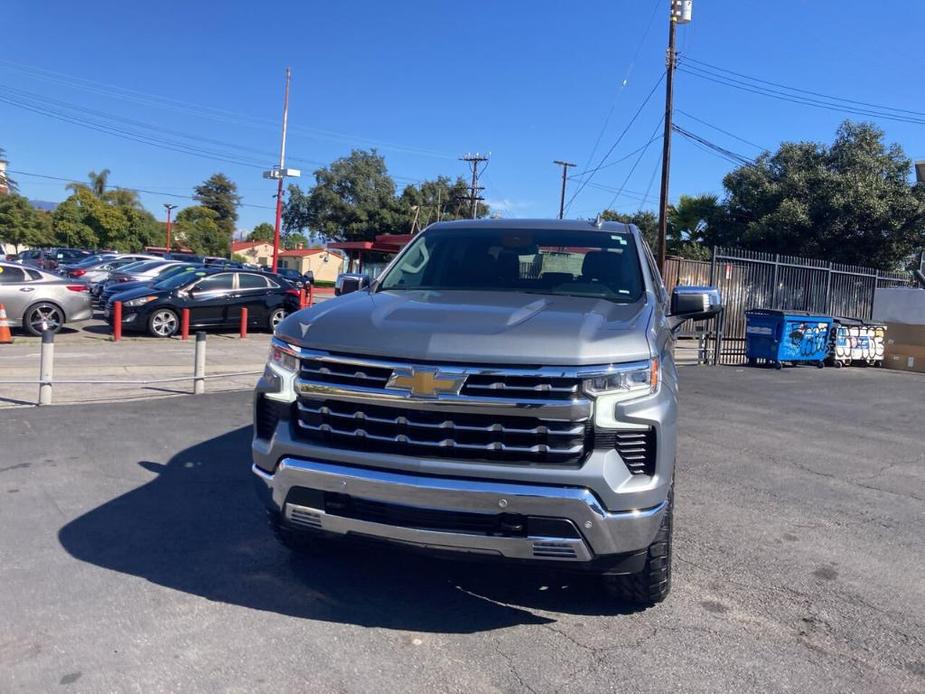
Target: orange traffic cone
[{"x": 5, "y": 337}]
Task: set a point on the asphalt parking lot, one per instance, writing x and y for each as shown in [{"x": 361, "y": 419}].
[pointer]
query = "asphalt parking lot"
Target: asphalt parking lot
[{"x": 134, "y": 557}]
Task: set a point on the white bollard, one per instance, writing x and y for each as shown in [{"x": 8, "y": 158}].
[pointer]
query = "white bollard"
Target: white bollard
[
  {"x": 199, "y": 366},
  {"x": 46, "y": 367}
]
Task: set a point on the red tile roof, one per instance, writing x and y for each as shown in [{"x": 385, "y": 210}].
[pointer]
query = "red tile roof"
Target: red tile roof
[{"x": 299, "y": 252}]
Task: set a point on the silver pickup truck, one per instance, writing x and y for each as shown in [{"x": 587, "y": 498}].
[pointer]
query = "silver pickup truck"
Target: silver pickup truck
[{"x": 504, "y": 388}]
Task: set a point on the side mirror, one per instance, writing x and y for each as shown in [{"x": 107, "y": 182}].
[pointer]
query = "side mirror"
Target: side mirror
[
  {"x": 694, "y": 303},
  {"x": 353, "y": 283}
]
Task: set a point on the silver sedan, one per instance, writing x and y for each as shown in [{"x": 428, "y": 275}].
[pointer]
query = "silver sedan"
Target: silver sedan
[{"x": 38, "y": 301}]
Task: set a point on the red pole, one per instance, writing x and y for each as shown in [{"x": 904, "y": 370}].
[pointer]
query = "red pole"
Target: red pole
[
  {"x": 184, "y": 324},
  {"x": 116, "y": 321},
  {"x": 243, "y": 322},
  {"x": 168, "y": 230},
  {"x": 279, "y": 217},
  {"x": 311, "y": 295}
]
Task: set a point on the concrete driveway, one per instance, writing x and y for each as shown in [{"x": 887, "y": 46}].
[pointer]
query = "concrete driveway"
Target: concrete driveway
[{"x": 133, "y": 557}]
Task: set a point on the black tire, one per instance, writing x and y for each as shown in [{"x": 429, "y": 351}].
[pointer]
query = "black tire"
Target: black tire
[
  {"x": 778, "y": 365},
  {"x": 275, "y": 318},
  {"x": 653, "y": 584},
  {"x": 820, "y": 364},
  {"x": 42, "y": 316},
  {"x": 163, "y": 322}
]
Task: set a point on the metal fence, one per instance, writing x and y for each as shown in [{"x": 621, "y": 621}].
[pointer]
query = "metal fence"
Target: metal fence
[{"x": 751, "y": 279}]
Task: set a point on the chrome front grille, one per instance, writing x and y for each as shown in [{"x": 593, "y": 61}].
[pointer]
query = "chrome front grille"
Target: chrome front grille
[
  {"x": 521, "y": 387},
  {"x": 432, "y": 433},
  {"x": 344, "y": 373}
]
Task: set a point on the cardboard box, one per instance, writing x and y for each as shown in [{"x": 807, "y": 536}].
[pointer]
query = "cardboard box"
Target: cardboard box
[
  {"x": 905, "y": 362},
  {"x": 903, "y": 334}
]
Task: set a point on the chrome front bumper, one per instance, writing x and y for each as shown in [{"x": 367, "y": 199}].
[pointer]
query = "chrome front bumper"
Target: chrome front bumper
[{"x": 601, "y": 532}]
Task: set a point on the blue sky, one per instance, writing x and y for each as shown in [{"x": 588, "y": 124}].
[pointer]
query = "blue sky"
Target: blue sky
[{"x": 427, "y": 81}]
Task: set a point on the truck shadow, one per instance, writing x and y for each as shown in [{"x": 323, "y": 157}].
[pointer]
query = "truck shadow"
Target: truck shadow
[{"x": 198, "y": 528}]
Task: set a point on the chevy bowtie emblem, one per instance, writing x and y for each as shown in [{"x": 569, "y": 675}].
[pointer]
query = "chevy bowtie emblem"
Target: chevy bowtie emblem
[{"x": 423, "y": 382}]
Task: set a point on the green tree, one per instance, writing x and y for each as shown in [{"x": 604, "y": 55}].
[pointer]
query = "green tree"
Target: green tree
[
  {"x": 695, "y": 225},
  {"x": 262, "y": 232},
  {"x": 21, "y": 224},
  {"x": 87, "y": 221},
  {"x": 198, "y": 227},
  {"x": 220, "y": 194},
  {"x": 353, "y": 200},
  {"x": 295, "y": 240},
  {"x": 440, "y": 199},
  {"x": 850, "y": 202},
  {"x": 96, "y": 186}
]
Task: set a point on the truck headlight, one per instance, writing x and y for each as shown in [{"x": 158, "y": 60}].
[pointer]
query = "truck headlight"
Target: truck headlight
[
  {"x": 627, "y": 380},
  {"x": 283, "y": 356}
]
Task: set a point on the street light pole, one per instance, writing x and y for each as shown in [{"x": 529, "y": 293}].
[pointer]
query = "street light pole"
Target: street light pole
[
  {"x": 169, "y": 208},
  {"x": 282, "y": 166},
  {"x": 680, "y": 14},
  {"x": 565, "y": 167}
]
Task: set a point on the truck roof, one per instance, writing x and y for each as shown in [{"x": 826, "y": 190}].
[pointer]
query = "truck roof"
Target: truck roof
[{"x": 570, "y": 224}]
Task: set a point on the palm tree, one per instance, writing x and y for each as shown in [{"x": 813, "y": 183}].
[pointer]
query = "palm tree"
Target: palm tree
[{"x": 97, "y": 183}]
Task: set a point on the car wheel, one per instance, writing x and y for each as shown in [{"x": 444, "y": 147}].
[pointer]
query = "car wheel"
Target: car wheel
[
  {"x": 276, "y": 317},
  {"x": 653, "y": 583},
  {"x": 163, "y": 323},
  {"x": 43, "y": 316}
]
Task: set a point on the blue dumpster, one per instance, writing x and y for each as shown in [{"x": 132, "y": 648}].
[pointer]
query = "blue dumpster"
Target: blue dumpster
[{"x": 794, "y": 336}]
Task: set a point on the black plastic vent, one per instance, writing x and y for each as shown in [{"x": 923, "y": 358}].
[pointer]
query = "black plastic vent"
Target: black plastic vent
[{"x": 637, "y": 448}]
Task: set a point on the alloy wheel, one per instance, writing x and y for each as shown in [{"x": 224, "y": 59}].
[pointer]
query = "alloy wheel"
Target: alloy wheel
[
  {"x": 164, "y": 323},
  {"x": 44, "y": 317}
]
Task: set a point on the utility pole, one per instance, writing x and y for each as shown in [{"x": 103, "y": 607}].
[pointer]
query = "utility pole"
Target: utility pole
[
  {"x": 280, "y": 172},
  {"x": 474, "y": 198},
  {"x": 169, "y": 209},
  {"x": 680, "y": 14},
  {"x": 565, "y": 167}
]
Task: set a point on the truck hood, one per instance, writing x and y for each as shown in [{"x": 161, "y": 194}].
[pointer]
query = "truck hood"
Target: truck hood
[{"x": 474, "y": 327}]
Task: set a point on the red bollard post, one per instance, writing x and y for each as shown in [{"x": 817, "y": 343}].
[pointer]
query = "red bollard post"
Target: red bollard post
[
  {"x": 303, "y": 301},
  {"x": 116, "y": 321},
  {"x": 243, "y": 323},
  {"x": 311, "y": 294},
  {"x": 184, "y": 324}
]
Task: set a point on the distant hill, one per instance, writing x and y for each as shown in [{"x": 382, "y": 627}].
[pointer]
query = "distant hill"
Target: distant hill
[{"x": 43, "y": 205}]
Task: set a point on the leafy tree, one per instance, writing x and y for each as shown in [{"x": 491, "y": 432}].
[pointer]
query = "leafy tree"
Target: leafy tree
[
  {"x": 262, "y": 232},
  {"x": 850, "y": 202},
  {"x": 353, "y": 200},
  {"x": 295, "y": 240},
  {"x": 87, "y": 221},
  {"x": 70, "y": 221},
  {"x": 198, "y": 227},
  {"x": 220, "y": 194},
  {"x": 97, "y": 183},
  {"x": 441, "y": 199},
  {"x": 21, "y": 224}
]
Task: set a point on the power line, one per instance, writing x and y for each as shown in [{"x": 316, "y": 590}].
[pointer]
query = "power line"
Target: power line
[
  {"x": 616, "y": 161},
  {"x": 618, "y": 140},
  {"x": 718, "y": 129},
  {"x": 210, "y": 112},
  {"x": 793, "y": 98},
  {"x": 134, "y": 190},
  {"x": 629, "y": 70},
  {"x": 802, "y": 91},
  {"x": 473, "y": 160},
  {"x": 727, "y": 154},
  {"x": 636, "y": 163}
]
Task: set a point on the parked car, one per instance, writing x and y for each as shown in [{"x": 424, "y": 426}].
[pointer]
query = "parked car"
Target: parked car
[
  {"x": 184, "y": 257},
  {"x": 297, "y": 278},
  {"x": 111, "y": 290},
  {"x": 50, "y": 258},
  {"x": 214, "y": 298},
  {"x": 96, "y": 275},
  {"x": 37, "y": 300},
  {"x": 504, "y": 388},
  {"x": 67, "y": 269}
]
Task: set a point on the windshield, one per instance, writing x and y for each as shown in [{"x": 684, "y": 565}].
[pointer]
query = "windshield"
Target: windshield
[
  {"x": 142, "y": 266},
  {"x": 566, "y": 262},
  {"x": 181, "y": 279},
  {"x": 172, "y": 270}
]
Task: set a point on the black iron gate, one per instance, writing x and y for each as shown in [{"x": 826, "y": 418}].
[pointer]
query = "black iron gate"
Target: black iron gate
[{"x": 751, "y": 279}]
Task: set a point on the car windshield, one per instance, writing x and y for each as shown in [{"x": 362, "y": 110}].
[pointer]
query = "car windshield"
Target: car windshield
[
  {"x": 172, "y": 270},
  {"x": 597, "y": 264},
  {"x": 181, "y": 279}
]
